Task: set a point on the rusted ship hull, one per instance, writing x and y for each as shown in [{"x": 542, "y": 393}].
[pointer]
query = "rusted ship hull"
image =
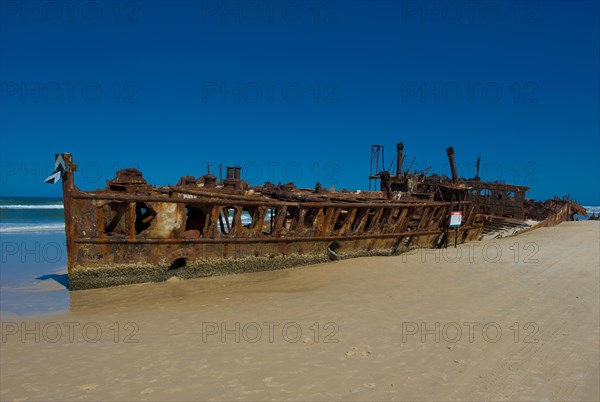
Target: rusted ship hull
[{"x": 132, "y": 233}]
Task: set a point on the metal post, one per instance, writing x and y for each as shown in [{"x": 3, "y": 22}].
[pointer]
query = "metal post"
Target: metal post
[
  {"x": 399, "y": 151},
  {"x": 452, "y": 210},
  {"x": 455, "y": 236},
  {"x": 450, "y": 153}
]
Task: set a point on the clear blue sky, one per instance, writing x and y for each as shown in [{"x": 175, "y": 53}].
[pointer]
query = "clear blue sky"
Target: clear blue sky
[{"x": 300, "y": 90}]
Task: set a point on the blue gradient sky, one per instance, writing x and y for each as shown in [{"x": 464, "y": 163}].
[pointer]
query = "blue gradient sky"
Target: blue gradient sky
[{"x": 319, "y": 82}]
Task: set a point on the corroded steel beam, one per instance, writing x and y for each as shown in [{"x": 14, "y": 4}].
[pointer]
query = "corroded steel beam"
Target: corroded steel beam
[
  {"x": 269, "y": 202},
  {"x": 450, "y": 152},
  {"x": 400, "y": 158}
]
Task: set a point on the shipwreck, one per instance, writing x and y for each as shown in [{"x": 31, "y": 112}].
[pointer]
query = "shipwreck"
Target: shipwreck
[{"x": 133, "y": 232}]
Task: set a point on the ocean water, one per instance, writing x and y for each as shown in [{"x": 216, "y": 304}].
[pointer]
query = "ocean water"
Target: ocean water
[
  {"x": 33, "y": 259},
  {"x": 31, "y": 214},
  {"x": 33, "y": 256},
  {"x": 592, "y": 210}
]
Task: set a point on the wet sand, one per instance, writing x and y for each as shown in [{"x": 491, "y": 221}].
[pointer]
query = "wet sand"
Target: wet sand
[{"x": 508, "y": 319}]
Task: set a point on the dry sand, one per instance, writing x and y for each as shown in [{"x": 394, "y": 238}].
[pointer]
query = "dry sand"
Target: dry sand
[{"x": 369, "y": 345}]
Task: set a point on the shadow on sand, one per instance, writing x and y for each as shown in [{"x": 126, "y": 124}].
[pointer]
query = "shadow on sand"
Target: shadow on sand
[{"x": 63, "y": 279}]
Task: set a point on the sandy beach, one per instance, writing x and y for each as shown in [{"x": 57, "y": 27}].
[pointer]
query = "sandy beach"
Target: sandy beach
[{"x": 505, "y": 319}]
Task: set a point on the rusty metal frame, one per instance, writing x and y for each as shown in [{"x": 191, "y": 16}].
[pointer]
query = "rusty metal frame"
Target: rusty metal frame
[{"x": 133, "y": 232}]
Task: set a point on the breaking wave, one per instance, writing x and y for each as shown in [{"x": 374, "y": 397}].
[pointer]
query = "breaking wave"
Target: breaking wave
[
  {"x": 34, "y": 206},
  {"x": 31, "y": 228}
]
